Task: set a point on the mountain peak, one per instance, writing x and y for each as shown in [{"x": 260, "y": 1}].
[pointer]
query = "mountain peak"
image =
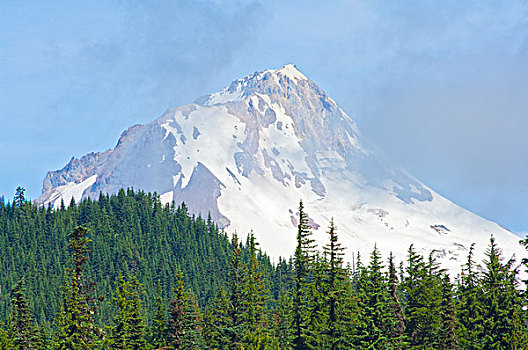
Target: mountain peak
[
  {"x": 290, "y": 71},
  {"x": 263, "y": 82},
  {"x": 248, "y": 153}
]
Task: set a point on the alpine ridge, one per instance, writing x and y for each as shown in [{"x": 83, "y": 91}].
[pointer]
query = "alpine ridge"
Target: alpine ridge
[{"x": 248, "y": 153}]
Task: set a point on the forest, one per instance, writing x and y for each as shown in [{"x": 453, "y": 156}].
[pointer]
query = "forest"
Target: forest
[{"x": 126, "y": 272}]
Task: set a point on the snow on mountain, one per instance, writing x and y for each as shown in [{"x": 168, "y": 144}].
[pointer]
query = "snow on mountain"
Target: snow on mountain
[{"x": 249, "y": 152}]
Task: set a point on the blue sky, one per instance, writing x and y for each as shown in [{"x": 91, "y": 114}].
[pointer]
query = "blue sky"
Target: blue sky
[{"x": 442, "y": 87}]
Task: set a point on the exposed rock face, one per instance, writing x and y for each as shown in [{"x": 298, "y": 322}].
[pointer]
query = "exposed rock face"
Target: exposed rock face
[
  {"x": 76, "y": 171},
  {"x": 247, "y": 154}
]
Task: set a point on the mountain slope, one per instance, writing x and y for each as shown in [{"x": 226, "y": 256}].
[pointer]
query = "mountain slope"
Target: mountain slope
[{"x": 249, "y": 152}]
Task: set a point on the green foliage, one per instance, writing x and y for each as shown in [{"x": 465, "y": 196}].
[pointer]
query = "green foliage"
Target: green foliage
[
  {"x": 423, "y": 292},
  {"x": 128, "y": 331},
  {"x": 132, "y": 234},
  {"x": 180, "y": 283},
  {"x": 303, "y": 259},
  {"x": 75, "y": 321},
  {"x": 502, "y": 303},
  {"x": 469, "y": 308},
  {"x": 5, "y": 340},
  {"x": 218, "y": 322},
  {"x": 184, "y": 329},
  {"x": 22, "y": 330},
  {"x": 158, "y": 330}
]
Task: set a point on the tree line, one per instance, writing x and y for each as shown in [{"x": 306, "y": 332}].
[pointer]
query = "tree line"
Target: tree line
[{"x": 311, "y": 301}]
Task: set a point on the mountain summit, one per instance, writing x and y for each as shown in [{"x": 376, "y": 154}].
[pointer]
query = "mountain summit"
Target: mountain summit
[{"x": 248, "y": 153}]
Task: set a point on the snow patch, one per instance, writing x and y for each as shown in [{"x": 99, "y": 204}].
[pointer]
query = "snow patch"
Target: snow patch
[{"x": 71, "y": 190}]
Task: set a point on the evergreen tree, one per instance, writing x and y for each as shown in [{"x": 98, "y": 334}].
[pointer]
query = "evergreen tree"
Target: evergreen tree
[
  {"x": 158, "y": 331},
  {"x": 76, "y": 329},
  {"x": 23, "y": 331},
  {"x": 337, "y": 327},
  {"x": 423, "y": 299},
  {"x": 254, "y": 293},
  {"x": 282, "y": 321},
  {"x": 502, "y": 321},
  {"x": 5, "y": 341},
  {"x": 128, "y": 331},
  {"x": 218, "y": 323},
  {"x": 396, "y": 322},
  {"x": 469, "y": 308},
  {"x": 524, "y": 261},
  {"x": 376, "y": 317},
  {"x": 303, "y": 260},
  {"x": 317, "y": 305},
  {"x": 184, "y": 325},
  {"x": 20, "y": 198},
  {"x": 448, "y": 338}
]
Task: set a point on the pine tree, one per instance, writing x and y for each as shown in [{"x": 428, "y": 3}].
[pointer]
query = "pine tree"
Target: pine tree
[
  {"x": 448, "y": 338},
  {"x": 469, "y": 308},
  {"x": 396, "y": 322},
  {"x": 23, "y": 331},
  {"x": 184, "y": 324},
  {"x": 76, "y": 329},
  {"x": 374, "y": 300},
  {"x": 282, "y": 320},
  {"x": 254, "y": 293},
  {"x": 422, "y": 291},
  {"x": 6, "y": 342},
  {"x": 128, "y": 331},
  {"x": 194, "y": 324},
  {"x": 502, "y": 303},
  {"x": 524, "y": 261},
  {"x": 336, "y": 281},
  {"x": 317, "y": 305},
  {"x": 217, "y": 323},
  {"x": 20, "y": 198},
  {"x": 158, "y": 332},
  {"x": 303, "y": 260}
]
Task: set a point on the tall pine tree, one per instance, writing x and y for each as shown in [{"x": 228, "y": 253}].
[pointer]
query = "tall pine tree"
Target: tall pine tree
[
  {"x": 303, "y": 260},
  {"x": 128, "y": 331},
  {"x": 501, "y": 302},
  {"x": 23, "y": 331},
  {"x": 75, "y": 322}
]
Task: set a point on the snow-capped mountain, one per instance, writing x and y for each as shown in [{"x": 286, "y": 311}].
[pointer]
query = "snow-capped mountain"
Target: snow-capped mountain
[{"x": 249, "y": 152}]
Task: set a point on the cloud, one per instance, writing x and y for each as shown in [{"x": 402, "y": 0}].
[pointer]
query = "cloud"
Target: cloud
[
  {"x": 91, "y": 70},
  {"x": 440, "y": 86}
]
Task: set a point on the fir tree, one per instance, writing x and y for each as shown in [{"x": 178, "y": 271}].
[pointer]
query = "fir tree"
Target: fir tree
[
  {"x": 448, "y": 338},
  {"x": 218, "y": 323},
  {"x": 303, "y": 260},
  {"x": 374, "y": 298},
  {"x": 128, "y": 331},
  {"x": 282, "y": 320},
  {"x": 184, "y": 324},
  {"x": 396, "y": 321},
  {"x": 20, "y": 198},
  {"x": 236, "y": 305},
  {"x": 254, "y": 293},
  {"x": 6, "y": 342},
  {"x": 76, "y": 329},
  {"x": 501, "y": 301},
  {"x": 336, "y": 280},
  {"x": 469, "y": 308},
  {"x": 422, "y": 292},
  {"x": 524, "y": 261},
  {"x": 158, "y": 332},
  {"x": 23, "y": 331}
]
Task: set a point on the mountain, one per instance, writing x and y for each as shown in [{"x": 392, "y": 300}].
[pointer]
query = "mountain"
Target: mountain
[{"x": 248, "y": 153}]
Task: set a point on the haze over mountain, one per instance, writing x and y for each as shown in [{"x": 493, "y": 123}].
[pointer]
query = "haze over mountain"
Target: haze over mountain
[{"x": 249, "y": 152}]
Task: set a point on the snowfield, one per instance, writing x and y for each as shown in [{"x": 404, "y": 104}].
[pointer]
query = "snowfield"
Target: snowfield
[{"x": 249, "y": 153}]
